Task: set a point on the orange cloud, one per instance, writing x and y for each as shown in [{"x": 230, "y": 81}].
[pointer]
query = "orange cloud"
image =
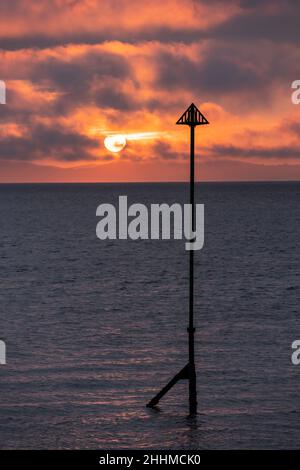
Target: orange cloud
[{"x": 132, "y": 68}]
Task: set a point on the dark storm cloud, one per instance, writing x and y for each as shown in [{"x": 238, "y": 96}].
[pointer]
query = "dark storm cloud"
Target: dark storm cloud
[
  {"x": 111, "y": 97},
  {"x": 38, "y": 41},
  {"x": 49, "y": 142},
  {"x": 221, "y": 69},
  {"x": 231, "y": 151},
  {"x": 277, "y": 21},
  {"x": 74, "y": 79},
  {"x": 78, "y": 71},
  {"x": 217, "y": 72},
  {"x": 163, "y": 150},
  {"x": 93, "y": 77}
]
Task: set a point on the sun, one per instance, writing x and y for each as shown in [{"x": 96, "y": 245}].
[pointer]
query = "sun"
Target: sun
[{"x": 115, "y": 143}]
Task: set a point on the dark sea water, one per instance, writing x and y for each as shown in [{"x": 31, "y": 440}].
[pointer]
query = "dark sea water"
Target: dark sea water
[{"x": 94, "y": 328}]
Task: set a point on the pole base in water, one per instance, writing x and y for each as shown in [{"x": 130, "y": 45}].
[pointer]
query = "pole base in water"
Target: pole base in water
[{"x": 187, "y": 373}]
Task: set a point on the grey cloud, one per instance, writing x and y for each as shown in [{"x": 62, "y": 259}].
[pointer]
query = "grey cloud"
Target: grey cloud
[
  {"x": 277, "y": 21},
  {"x": 41, "y": 142},
  {"x": 163, "y": 150},
  {"x": 274, "y": 20},
  {"x": 215, "y": 73},
  {"x": 229, "y": 69},
  {"x": 231, "y": 151},
  {"x": 111, "y": 97}
]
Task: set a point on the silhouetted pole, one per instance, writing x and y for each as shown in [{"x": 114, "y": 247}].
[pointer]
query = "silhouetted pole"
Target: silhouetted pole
[
  {"x": 192, "y": 118},
  {"x": 191, "y": 329}
]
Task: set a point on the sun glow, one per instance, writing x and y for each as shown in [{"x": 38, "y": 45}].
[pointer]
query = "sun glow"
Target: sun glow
[{"x": 115, "y": 143}]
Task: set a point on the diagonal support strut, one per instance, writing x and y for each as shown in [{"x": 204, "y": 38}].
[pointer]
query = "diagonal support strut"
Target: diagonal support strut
[{"x": 184, "y": 374}]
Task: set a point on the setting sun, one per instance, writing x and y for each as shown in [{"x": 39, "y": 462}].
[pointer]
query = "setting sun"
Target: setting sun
[{"x": 115, "y": 143}]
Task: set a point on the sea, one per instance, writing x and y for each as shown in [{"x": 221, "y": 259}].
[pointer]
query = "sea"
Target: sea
[{"x": 95, "y": 328}]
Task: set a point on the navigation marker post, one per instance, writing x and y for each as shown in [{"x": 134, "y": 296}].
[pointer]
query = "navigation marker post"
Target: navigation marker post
[{"x": 192, "y": 117}]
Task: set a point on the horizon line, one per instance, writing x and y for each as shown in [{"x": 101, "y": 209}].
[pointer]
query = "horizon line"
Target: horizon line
[{"x": 150, "y": 182}]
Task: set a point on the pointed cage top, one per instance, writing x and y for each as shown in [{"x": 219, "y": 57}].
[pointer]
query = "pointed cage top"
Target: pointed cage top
[{"x": 192, "y": 117}]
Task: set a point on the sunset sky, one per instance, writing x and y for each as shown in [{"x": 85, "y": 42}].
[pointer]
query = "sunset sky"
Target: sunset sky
[{"x": 78, "y": 71}]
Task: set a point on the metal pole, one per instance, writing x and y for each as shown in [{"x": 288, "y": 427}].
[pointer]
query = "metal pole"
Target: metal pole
[
  {"x": 192, "y": 118},
  {"x": 191, "y": 329}
]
